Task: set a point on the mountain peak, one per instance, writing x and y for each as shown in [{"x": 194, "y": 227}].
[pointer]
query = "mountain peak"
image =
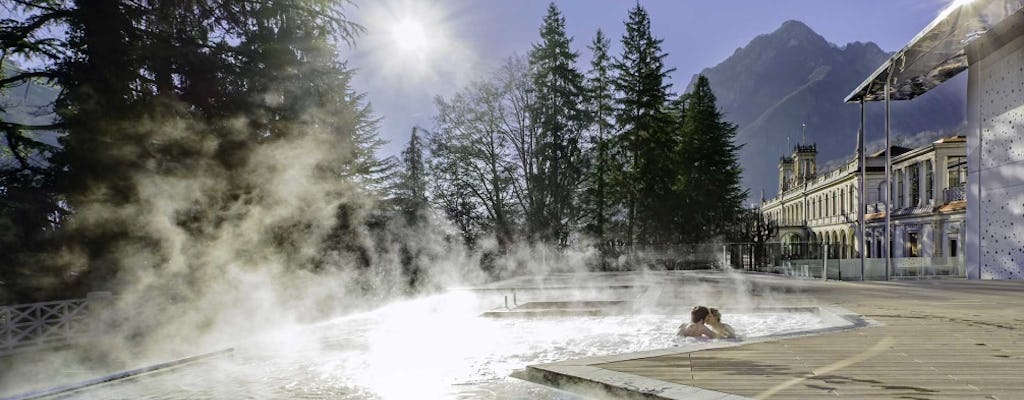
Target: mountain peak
[
  {"x": 863, "y": 50},
  {"x": 795, "y": 28},
  {"x": 794, "y": 76}
]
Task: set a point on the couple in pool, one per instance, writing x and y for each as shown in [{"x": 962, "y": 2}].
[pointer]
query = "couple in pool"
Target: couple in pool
[{"x": 706, "y": 323}]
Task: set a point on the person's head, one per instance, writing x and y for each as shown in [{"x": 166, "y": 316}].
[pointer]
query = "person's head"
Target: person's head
[
  {"x": 698, "y": 314},
  {"x": 715, "y": 313}
]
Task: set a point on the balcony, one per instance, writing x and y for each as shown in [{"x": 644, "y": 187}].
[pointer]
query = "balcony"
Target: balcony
[
  {"x": 792, "y": 224},
  {"x": 955, "y": 193}
]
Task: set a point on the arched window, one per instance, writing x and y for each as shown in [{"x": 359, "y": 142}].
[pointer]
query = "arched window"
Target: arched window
[{"x": 842, "y": 246}]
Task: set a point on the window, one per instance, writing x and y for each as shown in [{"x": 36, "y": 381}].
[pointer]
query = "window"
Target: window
[
  {"x": 878, "y": 248},
  {"x": 914, "y": 173},
  {"x": 952, "y": 247},
  {"x": 891, "y": 196},
  {"x": 833, "y": 203},
  {"x": 929, "y": 181},
  {"x": 956, "y": 168},
  {"x": 912, "y": 246},
  {"x": 850, "y": 197},
  {"x": 899, "y": 189}
]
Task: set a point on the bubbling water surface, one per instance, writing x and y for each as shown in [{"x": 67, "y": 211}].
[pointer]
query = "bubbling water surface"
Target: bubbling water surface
[{"x": 436, "y": 347}]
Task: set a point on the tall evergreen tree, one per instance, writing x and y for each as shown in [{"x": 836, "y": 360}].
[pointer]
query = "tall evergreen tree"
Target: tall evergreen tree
[
  {"x": 179, "y": 90},
  {"x": 560, "y": 121},
  {"x": 601, "y": 105},
  {"x": 31, "y": 206},
  {"x": 412, "y": 186},
  {"x": 645, "y": 142},
  {"x": 711, "y": 172}
]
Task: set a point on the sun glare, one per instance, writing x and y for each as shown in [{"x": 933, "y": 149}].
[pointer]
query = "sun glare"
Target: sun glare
[
  {"x": 410, "y": 37},
  {"x": 414, "y": 42}
]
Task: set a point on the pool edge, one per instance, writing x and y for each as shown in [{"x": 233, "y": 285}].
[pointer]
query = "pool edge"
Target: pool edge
[{"x": 582, "y": 376}]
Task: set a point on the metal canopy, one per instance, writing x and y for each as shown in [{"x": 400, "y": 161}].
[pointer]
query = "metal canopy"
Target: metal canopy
[{"x": 937, "y": 53}]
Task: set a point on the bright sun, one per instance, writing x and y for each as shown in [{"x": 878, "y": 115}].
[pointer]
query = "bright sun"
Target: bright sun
[
  {"x": 412, "y": 40},
  {"x": 410, "y": 37}
]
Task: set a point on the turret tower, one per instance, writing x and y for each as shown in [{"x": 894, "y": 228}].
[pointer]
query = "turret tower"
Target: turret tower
[
  {"x": 798, "y": 168},
  {"x": 805, "y": 162}
]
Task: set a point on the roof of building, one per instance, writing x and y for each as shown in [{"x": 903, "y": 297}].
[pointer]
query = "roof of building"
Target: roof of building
[
  {"x": 952, "y": 139},
  {"x": 937, "y": 53},
  {"x": 896, "y": 150}
]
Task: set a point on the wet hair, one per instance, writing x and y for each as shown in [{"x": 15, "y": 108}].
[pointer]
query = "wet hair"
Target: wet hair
[
  {"x": 698, "y": 314},
  {"x": 716, "y": 313}
]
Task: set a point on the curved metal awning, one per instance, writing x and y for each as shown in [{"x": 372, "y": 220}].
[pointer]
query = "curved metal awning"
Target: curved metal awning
[{"x": 937, "y": 53}]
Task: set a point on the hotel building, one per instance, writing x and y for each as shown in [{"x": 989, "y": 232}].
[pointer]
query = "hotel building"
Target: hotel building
[{"x": 815, "y": 209}]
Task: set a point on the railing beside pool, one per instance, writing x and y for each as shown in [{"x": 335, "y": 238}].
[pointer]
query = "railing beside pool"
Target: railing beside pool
[
  {"x": 47, "y": 324},
  {"x": 835, "y": 262}
]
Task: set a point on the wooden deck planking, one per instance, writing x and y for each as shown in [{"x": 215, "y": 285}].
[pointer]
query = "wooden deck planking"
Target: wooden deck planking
[{"x": 940, "y": 340}]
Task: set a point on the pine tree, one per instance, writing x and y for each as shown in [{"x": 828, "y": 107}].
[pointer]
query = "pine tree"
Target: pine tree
[
  {"x": 645, "y": 142},
  {"x": 711, "y": 169},
  {"x": 600, "y": 101},
  {"x": 411, "y": 191},
  {"x": 155, "y": 90},
  {"x": 560, "y": 119}
]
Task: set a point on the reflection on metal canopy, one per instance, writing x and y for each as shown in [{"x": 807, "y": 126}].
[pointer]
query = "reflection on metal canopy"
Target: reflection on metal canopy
[{"x": 937, "y": 53}]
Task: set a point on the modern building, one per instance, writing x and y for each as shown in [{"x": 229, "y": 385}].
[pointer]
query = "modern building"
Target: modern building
[
  {"x": 928, "y": 208},
  {"x": 986, "y": 38}
]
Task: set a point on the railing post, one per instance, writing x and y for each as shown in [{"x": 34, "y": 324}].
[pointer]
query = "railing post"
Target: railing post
[
  {"x": 97, "y": 303},
  {"x": 824, "y": 262},
  {"x": 725, "y": 257},
  {"x": 6, "y": 328}
]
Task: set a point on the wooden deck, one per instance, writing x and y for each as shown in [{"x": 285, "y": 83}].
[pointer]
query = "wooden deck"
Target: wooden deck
[{"x": 941, "y": 339}]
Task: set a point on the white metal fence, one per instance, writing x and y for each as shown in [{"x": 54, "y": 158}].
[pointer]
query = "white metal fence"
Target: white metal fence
[{"x": 47, "y": 324}]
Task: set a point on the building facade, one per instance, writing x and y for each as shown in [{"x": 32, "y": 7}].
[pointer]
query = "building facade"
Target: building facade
[
  {"x": 928, "y": 205},
  {"x": 995, "y": 128},
  {"x": 986, "y": 39}
]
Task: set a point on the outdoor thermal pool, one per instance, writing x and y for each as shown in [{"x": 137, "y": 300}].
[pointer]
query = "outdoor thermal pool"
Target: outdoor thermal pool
[{"x": 434, "y": 347}]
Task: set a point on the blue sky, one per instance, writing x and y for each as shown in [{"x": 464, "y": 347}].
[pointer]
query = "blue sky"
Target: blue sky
[{"x": 464, "y": 39}]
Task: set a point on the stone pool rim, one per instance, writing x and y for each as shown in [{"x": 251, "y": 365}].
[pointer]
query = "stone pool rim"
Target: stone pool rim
[{"x": 581, "y": 376}]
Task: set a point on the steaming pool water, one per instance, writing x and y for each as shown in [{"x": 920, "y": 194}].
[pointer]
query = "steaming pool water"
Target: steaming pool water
[{"x": 436, "y": 347}]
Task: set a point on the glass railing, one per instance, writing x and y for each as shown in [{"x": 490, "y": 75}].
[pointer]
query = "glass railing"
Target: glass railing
[
  {"x": 954, "y": 193},
  {"x": 814, "y": 260}
]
